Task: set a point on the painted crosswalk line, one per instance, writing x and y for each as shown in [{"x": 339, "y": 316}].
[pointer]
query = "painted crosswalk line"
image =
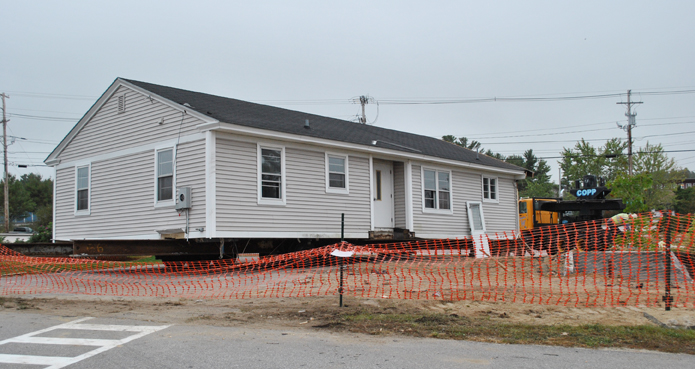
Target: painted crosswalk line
[{"x": 55, "y": 362}]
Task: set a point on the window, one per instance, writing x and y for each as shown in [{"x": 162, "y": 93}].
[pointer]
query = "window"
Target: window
[
  {"x": 378, "y": 186},
  {"x": 271, "y": 169},
  {"x": 165, "y": 175},
  {"x": 436, "y": 189},
  {"x": 82, "y": 185},
  {"x": 490, "y": 189},
  {"x": 336, "y": 173}
]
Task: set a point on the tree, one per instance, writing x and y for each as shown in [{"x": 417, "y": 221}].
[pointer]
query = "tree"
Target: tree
[
  {"x": 665, "y": 175},
  {"x": 584, "y": 159},
  {"x": 473, "y": 145},
  {"x": 20, "y": 200},
  {"x": 30, "y": 193},
  {"x": 684, "y": 202},
  {"x": 539, "y": 185},
  {"x": 610, "y": 163},
  {"x": 462, "y": 141},
  {"x": 41, "y": 192},
  {"x": 633, "y": 191}
]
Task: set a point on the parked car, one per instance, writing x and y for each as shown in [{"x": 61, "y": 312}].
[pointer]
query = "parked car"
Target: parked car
[{"x": 22, "y": 230}]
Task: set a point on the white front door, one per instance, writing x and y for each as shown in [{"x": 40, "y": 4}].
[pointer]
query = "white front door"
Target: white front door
[{"x": 382, "y": 194}]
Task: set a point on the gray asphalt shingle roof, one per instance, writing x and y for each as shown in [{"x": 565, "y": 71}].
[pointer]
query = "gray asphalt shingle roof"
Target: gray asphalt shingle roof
[{"x": 271, "y": 118}]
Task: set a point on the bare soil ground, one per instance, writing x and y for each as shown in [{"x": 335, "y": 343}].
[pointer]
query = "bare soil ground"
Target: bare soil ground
[{"x": 672, "y": 331}]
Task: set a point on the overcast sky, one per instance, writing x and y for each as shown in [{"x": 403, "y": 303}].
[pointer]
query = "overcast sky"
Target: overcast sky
[{"x": 58, "y": 57}]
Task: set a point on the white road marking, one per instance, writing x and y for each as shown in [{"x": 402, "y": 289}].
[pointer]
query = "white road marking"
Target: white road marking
[{"x": 56, "y": 362}]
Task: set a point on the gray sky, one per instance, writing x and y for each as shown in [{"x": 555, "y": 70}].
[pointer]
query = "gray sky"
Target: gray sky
[{"x": 315, "y": 56}]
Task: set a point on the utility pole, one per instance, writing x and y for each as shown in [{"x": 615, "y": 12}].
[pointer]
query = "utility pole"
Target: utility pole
[
  {"x": 364, "y": 100},
  {"x": 4, "y": 150},
  {"x": 628, "y": 127}
]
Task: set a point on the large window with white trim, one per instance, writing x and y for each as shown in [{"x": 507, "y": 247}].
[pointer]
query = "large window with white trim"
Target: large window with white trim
[
  {"x": 82, "y": 186},
  {"x": 271, "y": 181},
  {"x": 490, "y": 189},
  {"x": 337, "y": 173},
  {"x": 165, "y": 174},
  {"x": 436, "y": 189}
]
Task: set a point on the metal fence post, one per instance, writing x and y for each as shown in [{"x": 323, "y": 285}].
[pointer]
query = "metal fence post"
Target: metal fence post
[{"x": 668, "y": 299}]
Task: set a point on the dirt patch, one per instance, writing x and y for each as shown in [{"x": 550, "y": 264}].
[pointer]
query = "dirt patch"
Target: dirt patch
[
  {"x": 672, "y": 331},
  {"x": 281, "y": 312}
]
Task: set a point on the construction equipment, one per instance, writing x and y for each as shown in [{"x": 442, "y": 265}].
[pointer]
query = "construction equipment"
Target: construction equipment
[{"x": 590, "y": 204}]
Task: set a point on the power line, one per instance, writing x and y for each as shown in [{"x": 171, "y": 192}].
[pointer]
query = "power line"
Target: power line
[
  {"x": 53, "y": 96},
  {"x": 617, "y": 154},
  {"x": 43, "y": 117}
]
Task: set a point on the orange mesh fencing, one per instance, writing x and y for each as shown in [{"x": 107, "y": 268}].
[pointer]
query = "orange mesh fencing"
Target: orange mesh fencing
[{"x": 599, "y": 263}]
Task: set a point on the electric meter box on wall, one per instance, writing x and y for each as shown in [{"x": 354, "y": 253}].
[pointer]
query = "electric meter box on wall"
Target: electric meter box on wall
[{"x": 183, "y": 198}]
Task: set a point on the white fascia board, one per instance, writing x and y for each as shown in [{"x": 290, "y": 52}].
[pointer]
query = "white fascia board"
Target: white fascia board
[
  {"x": 233, "y": 234},
  {"x": 441, "y": 236},
  {"x": 382, "y": 153},
  {"x": 53, "y": 160},
  {"x": 228, "y": 234},
  {"x": 144, "y": 236}
]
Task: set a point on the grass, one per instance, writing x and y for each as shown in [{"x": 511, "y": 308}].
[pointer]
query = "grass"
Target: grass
[{"x": 486, "y": 330}]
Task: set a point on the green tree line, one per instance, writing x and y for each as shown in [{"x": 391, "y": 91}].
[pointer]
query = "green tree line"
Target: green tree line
[
  {"x": 29, "y": 193},
  {"x": 654, "y": 183}
]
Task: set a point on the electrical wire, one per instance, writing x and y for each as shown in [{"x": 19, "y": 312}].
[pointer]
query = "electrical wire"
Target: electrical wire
[{"x": 41, "y": 117}]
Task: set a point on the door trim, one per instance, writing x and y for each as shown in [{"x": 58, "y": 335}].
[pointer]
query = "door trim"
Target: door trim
[
  {"x": 371, "y": 192},
  {"x": 389, "y": 164}
]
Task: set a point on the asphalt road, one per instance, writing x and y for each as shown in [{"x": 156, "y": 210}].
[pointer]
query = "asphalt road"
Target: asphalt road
[{"x": 150, "y": 345}]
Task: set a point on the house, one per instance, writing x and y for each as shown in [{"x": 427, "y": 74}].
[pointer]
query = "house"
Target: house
[{"x": 261, "y": 172}]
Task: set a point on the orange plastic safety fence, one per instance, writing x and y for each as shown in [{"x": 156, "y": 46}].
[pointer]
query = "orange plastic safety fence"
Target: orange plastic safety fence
[{"x": 631, "y": 262}]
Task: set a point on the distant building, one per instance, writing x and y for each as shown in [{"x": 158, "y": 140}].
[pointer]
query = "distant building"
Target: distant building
[{"x": 687, "y": 183}]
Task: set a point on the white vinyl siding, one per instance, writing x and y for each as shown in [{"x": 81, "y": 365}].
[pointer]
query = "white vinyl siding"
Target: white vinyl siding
[
  {"x": 502, "y": 216},
  {"x": 110, "y": 131},
  {"x": 121, "y": 197},
  {"x": 309, "y": 209},
  {"x": 399, "y": 195}
]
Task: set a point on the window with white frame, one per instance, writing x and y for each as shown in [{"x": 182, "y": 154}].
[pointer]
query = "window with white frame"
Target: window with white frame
[
  {"x": 336, "y": 173},
  {"x": 165, "y": 174},
  {"x": 490, "y": 189},
  {"x": 437, "y": 189},
  {"x": 271, "y": 174},
  {"x": 82, "y": 190}
]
